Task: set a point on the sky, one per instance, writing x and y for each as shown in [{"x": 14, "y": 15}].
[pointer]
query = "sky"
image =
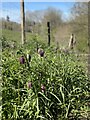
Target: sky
[{"x": 12, "y": 9}]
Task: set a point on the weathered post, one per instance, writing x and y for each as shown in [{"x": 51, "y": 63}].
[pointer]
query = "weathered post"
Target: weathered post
[
  {"x": 48, "y": 25},
  {"x": 22, "y": 22},
  {"x": 72, "y": 42},
  {"x": 89, "y": 38}
]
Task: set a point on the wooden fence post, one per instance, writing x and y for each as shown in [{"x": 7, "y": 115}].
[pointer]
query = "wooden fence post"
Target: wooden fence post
[
  {"x": 89, "y": 38},
  {"x": 48, "y": 25},
  {"x": 23, "y": 22}
]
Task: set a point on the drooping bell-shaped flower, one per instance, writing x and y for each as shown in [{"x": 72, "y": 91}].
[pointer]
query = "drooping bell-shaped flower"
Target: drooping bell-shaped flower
[
  {"x": 43, "y": 88},
  {"x": 22, "y": 60},
  {"x": 29, "y": 85},
  {"x": 41, "y": 52}
]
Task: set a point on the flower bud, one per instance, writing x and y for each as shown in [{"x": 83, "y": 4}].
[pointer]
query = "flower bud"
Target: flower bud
[
  {"x": 41, "y": 52},
  {"x": 43, "y": 88},
  {"x": 22, "y": 60},
  {"x": 29, "y": 85}
]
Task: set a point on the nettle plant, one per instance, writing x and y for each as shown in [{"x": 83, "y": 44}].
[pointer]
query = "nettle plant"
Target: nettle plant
[{"x": 50, "y": 87}]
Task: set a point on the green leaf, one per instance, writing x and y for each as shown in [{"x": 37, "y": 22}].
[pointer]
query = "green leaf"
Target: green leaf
[
  {"x": 42, "y": 117},
  {"x": 56, "y": 97},
  {"x": 44, "y": 96}
]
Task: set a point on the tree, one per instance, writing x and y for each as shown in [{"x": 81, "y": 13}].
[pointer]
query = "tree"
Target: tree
[
  {"x": 80, "y": 15},
  {"x": 79, "y": 22},
  {"x": 33, "y": 20},
  {"x": 53, "y": 16},
  {"x": 8, "y": 18},
  {"x": 34, "y": 16}
]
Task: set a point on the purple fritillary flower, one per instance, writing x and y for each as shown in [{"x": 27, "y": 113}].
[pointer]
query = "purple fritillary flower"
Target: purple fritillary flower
[
  {"x": 43, "y": 88},
  {"x": 22, "y": 60},
  {"x": 41, "y": 52},
  {"x": 29, "y": 85}
]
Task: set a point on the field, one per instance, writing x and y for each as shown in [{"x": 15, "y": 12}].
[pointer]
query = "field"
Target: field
[{"x": 49, "y": 86}]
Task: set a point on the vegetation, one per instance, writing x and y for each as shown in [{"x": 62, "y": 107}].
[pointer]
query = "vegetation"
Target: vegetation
[
  {"x": 61, "y": 29},
  {"x": 52, "y": 87},
  {"x": 40, "y": 82},
  {"x": 80, "y": 23}
]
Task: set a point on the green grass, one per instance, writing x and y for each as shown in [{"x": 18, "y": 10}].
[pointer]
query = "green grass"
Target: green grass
[
  {"x": 59, "y": 69},
  {"x": 62, "y": 36},
  {"x": 11, "y": 35},
  {"x": 33, "y": 38},
  {"x": 16, "y": 36},
  {"x": 65, "y": 89}
]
